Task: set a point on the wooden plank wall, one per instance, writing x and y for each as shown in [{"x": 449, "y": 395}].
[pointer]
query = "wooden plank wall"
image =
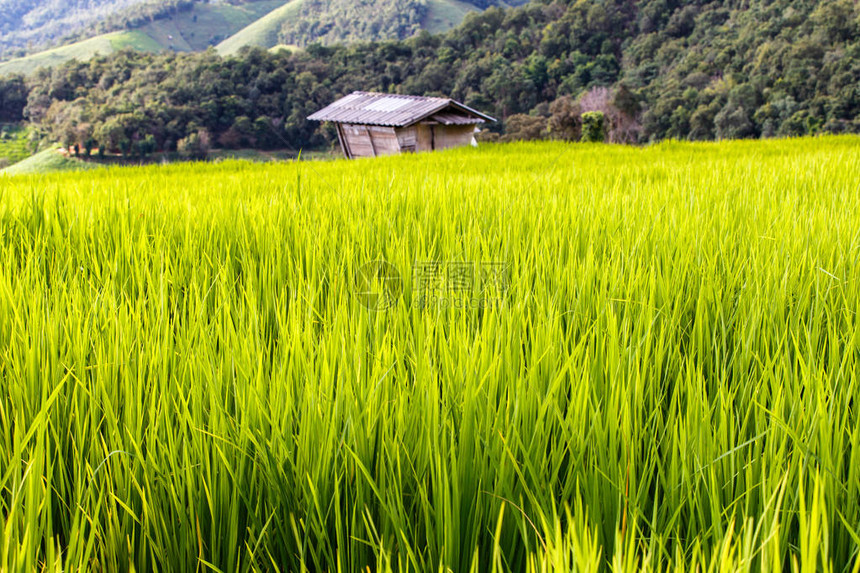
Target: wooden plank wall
[
  {"x": 408, "y": 138},
  {"x": 385, "y": 140},
  {"x": 437, "y": 136},
  {"x": 357, "y": 141},
  {"x": 370, "y": 140},
  {"x": 373, "y": 141},
  {"x": 448, "y": 136},
  {"x": 425, "y": 137}
]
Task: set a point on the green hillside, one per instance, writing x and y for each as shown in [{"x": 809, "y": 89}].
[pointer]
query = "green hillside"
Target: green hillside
[
  {"x": 652, "y": 72},
  {"x": 331, "y": 22},
  {"x": 206, "y": 25},
  {"x": 14, "y": 145},
  {"x": 190, "y": 30},
  {"x": 27, "y": 24},
  {"x": 103, "y": 44},
  {"x": 443, "y": 15},
  {"x": 47, "y": 161},
  {"x": 262, "y": 33},
  {"x": 261, "y": 23}
]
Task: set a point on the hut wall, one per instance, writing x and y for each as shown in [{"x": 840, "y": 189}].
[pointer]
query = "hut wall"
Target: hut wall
[
  {"x": 437, "y": 136},
  {"x": 425, "y": 137},
  {"x": 448, "y": 136},
  {"x": 369, "y": 140},
  {"x": 407, "y": 137},
  {"x": 356, "y": 140},
  {"x": 372, "y": 140},
  {"x": 384, "y": 140}
]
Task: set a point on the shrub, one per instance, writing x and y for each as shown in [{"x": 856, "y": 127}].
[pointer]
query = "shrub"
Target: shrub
[
  {"x": 522, "y": 127},
  {"x": 195, "y": 146},
  {"x": 593, "y": 127},
  {"x": 564, "y": 119}
]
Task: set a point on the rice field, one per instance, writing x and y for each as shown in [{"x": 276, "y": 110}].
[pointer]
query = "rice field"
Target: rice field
[{"x": 656, "y": 367}]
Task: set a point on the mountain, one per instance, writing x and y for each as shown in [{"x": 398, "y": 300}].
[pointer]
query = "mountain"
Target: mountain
[
  {"x": 656, "y": 69},
  {"x": 301, "y": 22},
  {"x": 82, "y": 28},
  {"x": 26, "y": 23},
  {"x": 176, "y": 25},
  {"x": 263, "y": 32}
]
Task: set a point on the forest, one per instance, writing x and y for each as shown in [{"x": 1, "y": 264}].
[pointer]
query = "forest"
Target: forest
[
  {"x": 25, "y": 23},
  {"x": 657, "y": 69},
  {"x": 337, "y": 21},
  {"x": 344, "y": 21}
]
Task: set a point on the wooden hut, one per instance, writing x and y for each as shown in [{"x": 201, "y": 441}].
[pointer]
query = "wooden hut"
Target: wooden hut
[{"x": 372, "y": 124}]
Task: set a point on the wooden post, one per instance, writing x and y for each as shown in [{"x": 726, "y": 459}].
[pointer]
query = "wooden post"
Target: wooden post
[{"x": 342, "y": 140}]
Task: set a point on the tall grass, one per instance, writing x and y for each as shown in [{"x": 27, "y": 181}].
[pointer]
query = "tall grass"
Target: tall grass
[{"x": 189, "y": 382}]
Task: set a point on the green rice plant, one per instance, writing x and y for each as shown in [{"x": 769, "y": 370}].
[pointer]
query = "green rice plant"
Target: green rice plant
[{"x": 191, "y": 380}]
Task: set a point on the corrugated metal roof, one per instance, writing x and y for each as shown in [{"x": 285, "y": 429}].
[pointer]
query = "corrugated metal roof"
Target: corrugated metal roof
[
  {"x": 396, "y": 110},
  {"x": 387, "y": 104},
  {"x": 454, "y": 119}
]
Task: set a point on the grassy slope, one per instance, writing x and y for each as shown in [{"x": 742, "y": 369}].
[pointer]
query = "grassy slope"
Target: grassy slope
[
  {"x": 214, "y": 22},
  {"x": 83, "y": 50},
  {"x": 48, "y": 161},
  {"x": 226, "y": 26},
  {"x": 263, "y": 32},
  {"x": 442, "y": 15},
  {"x": 14, "y": 145},
  {"x": 207, "y": 24}
]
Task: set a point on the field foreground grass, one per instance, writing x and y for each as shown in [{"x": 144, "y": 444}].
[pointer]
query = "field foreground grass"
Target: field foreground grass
[{"x": 667, "y": 377}]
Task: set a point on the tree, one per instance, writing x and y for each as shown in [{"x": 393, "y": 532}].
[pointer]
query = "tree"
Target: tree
[
  {"x": 619, "y": 126},
  {"x": 593, "y": 127},
  {"x": 84, "y": 136},
  {"x": 522, "y": 127},
  {"x": 195, "y": 146},
  {"x": 145, "y": 146},
  {"x": 565, "y": 121},
  {"x": 13, "y": 98},
  {"x": 733, "y": 122},
  {"x": 89, "y": 144},
  {"x": 654, "y": 68},
  {"x": 111, "y": 135}
]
